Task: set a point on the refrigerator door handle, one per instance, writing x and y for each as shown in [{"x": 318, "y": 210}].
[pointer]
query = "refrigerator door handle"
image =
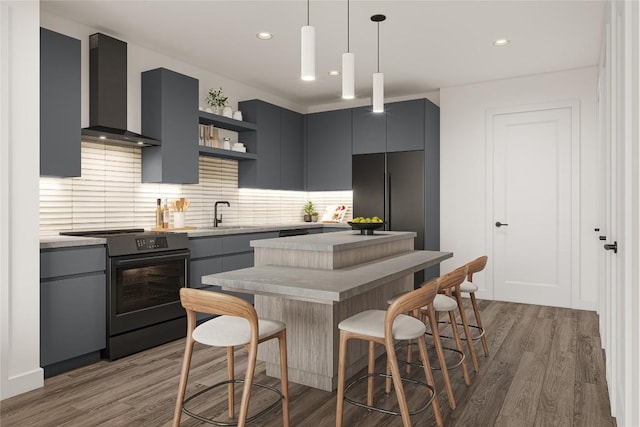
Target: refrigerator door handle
[{"x": 388, "y": 226}]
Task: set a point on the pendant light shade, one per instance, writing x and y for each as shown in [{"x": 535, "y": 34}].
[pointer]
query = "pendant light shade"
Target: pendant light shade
[
  {"x": 348, "y": 75},
  {"x": 308, "y": 53},
  {"x": 348, "y": 68},
  {"x": 378, "y": 77},
  {"x": 378, "y": 92}
]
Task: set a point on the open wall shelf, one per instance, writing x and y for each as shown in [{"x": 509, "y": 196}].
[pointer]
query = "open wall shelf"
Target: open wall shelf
[
  {"x": 225, "y": 122},
  {"x": 225, "y": 154}
]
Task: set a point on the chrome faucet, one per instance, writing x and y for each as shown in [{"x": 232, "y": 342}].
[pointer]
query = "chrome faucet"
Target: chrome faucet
[{"x": 217, "y": 221}]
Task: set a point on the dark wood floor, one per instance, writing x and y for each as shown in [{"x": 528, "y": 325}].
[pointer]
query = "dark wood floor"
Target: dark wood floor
[{"x": 545, "y": 369}]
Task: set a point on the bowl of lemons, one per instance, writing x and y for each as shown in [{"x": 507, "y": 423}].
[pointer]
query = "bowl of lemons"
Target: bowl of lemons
[{"x": 366, "y": 225}]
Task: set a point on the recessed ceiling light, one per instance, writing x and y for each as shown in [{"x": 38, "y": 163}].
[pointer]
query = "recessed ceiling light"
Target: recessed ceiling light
[
  {"x": 501, "y": 42},
  {"x": 102, "y": 137},
  {"x": 264, "y": 35},
  {"x": 334, "y": 73},
  {"x": 140, "y": 143}
]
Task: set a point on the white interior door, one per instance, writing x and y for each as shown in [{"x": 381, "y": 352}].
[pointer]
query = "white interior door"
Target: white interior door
[{"x": 532, "y": 206}]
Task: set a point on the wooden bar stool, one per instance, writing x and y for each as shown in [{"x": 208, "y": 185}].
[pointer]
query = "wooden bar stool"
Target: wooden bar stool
[
  {"x": 444, "y": 303},
  {"x": 469, "y": 287},
  {"x": 385, "y": 327},
  {"x": 237, "y": 324}
]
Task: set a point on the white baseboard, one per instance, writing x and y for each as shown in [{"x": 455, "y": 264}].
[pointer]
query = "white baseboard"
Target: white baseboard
[{"x": 22, "y": 383}]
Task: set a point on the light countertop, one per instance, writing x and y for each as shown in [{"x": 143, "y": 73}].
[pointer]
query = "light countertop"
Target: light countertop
[
  {"x": 52, "y": 242},
  {"x": 324, "y": 286},
  {"x": 333, "y": 242}
]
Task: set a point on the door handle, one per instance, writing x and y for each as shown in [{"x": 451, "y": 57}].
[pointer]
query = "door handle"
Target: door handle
[
  {"x": 613, "y": 247},
  {"x": 499, "y": 224}
]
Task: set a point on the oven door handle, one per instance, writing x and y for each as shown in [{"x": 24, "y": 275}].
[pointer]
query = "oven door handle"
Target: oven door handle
[{"x": 137, "y": 260}]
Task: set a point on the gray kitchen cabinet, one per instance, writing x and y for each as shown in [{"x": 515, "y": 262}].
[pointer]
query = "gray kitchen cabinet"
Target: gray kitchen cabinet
[
  {"x": 265, "y": 142},
  {"x": 278, "y": 143},
  {"x": 291, "y": 150},
  {"x": 170, "y": 114},
  {"x": 210, "y": 255},
  {"x": 328, "y": 143},
  {"x": 59, "y": 105},
  {"x": 405, "y": 125},
  {"x": 369, "y": 131},
  {"x": 73, "y": 307}
]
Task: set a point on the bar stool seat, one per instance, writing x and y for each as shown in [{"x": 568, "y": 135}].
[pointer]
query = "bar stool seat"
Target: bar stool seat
[
  {"x": 371, "y": 323},
  {"x": 468, "y": 287},
  {"x": 444, "y": 303},
  {"x": 231, "y": 331}
]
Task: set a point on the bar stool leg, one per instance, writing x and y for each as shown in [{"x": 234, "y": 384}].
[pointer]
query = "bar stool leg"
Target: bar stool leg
[
  {"x": 342, "y": 358},
  {"x": 456, "y": 336},
  {"x": 387, "y": 385},
  {"x": 370, "y": 370},
  {"x": 248, "y": 381},
  {"x": 467, "y": 332},
  {"x": 284, "y": 377},
  {"x": 422, "y": 347},
  {"x": 231, "y": 390},
  {"x": 184, "y": 376},
  {"x": 433, "y": 324},
  {"x": 397, "y": 383},
  {"x": 485, "y": 347}
]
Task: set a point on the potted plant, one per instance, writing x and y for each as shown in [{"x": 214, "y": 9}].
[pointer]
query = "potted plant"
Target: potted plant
[
  {"x": 314, "y": 216},
  {"x": 308, "y": 211},
  {"x": 216, "y": 100}
]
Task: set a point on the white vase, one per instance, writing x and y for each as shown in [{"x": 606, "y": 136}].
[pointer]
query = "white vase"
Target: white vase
[{"x": 227, "y": 112}]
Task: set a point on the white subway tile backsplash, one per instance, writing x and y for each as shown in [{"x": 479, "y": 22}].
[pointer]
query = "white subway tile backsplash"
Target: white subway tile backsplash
[{"x": 109, "y": 194}]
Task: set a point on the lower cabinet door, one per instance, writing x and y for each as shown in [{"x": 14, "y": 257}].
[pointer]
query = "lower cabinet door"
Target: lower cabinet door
[
  {"x": 73, "y": 315},
  {"x": 237, "y": 261},
  {"x": 202, "y": 267}
]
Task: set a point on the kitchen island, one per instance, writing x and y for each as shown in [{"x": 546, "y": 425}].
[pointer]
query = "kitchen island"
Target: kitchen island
[{"x": 313, "y": 282}]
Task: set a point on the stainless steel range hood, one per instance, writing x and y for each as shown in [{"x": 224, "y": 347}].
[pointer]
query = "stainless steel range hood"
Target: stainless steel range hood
[{"x": 108, "y": 95}]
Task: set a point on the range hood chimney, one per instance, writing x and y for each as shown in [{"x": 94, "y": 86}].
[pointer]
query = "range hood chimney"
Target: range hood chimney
[{"x": 108, "y": 94}]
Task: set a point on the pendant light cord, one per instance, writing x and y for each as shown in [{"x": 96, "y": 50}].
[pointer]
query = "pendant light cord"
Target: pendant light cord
[
  {"x": 378, "y": 46},
  {"x": 307, "y": 13},
  {"x": 347, "y": 25}
]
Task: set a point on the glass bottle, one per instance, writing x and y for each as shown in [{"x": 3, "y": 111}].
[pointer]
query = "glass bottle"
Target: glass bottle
[
  {"x": 159, "y": 215},
  {"x": 165, "y": 215}
]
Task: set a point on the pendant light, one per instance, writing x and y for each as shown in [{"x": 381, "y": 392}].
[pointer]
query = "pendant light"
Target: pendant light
[
  {"x": 308, "y": 51},
  {"x": 378, "y": 77},
  {"x": 348, "y": 68}
]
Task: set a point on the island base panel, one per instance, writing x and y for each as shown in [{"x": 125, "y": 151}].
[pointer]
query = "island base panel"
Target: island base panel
[{"x": 313, "y": 335}]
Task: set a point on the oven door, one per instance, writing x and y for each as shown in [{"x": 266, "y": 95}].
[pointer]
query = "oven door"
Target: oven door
[{"x": 145, "y": 289}]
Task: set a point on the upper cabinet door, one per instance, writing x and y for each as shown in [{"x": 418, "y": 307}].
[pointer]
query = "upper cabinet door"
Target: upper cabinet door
[
  {"x": 59, "y": 105},
  {"x": 405, "y": 125},
  {"x": 329, "y": 150},
  {"x": 170, "y": 114},
  {"x": 369, "y": 131},
  {"x": 265, "y": 142},
  {"x": 291, "y": 150}
]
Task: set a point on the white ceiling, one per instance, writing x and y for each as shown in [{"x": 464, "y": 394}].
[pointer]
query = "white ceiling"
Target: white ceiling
[{"x": 424, "y": 45}]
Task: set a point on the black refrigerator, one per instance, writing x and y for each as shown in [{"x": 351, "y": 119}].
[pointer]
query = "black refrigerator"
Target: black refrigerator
[{"x": 392, "y": 186}]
